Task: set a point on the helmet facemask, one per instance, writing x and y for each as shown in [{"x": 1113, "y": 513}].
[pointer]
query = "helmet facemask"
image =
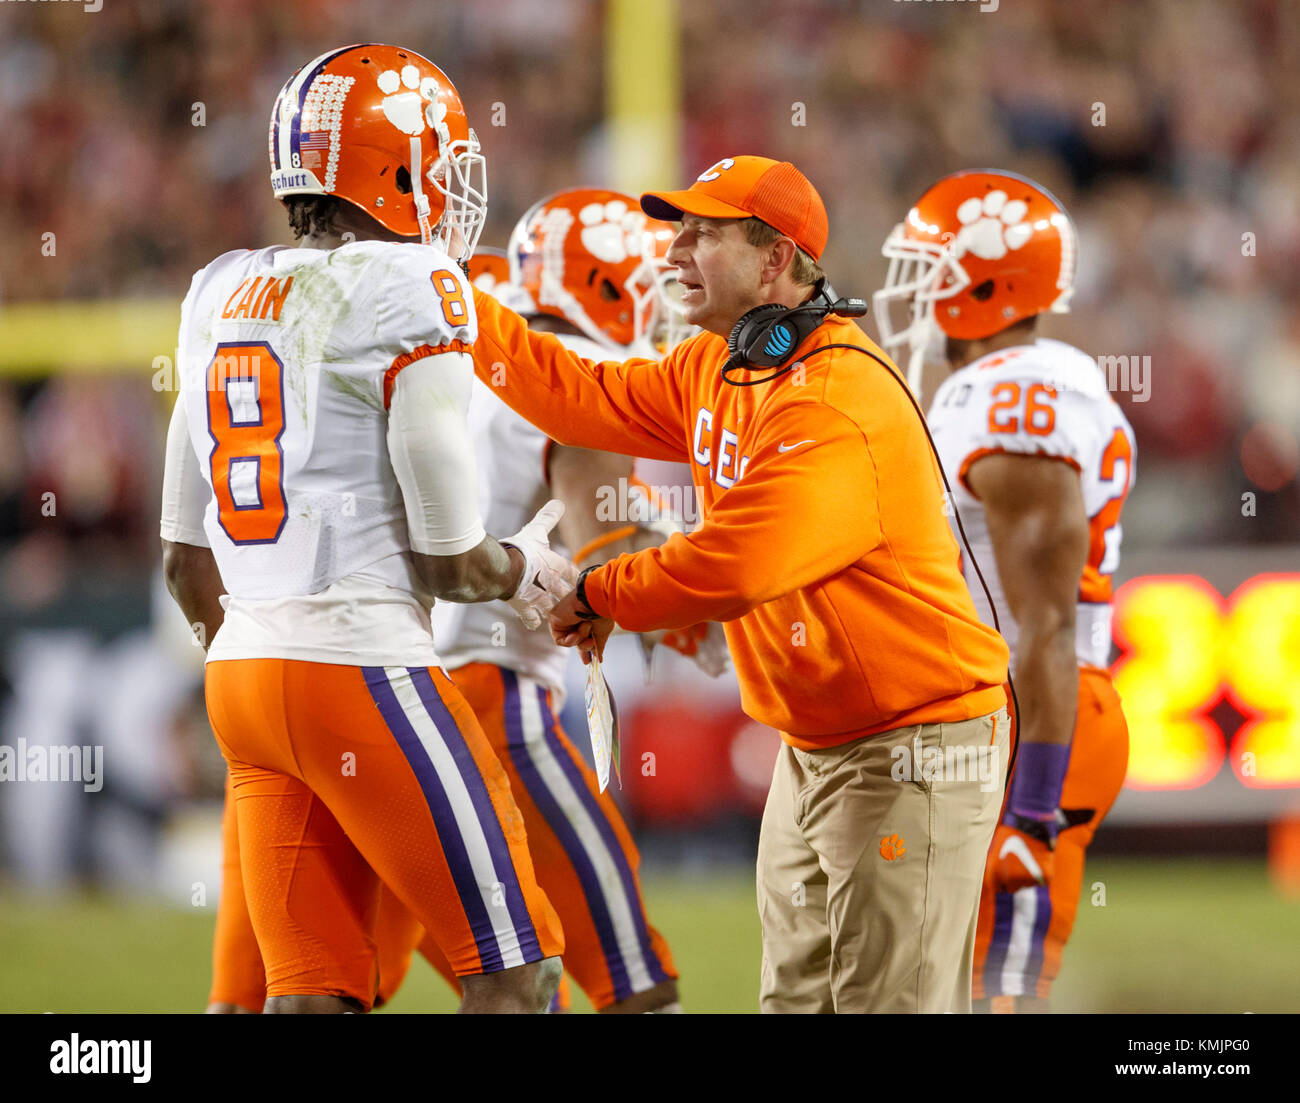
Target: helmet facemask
[
  {"x": 655, "y": 282},
  {"x": 921, "y": 274},
  {"x": 460, "y": 177},
  {"x": 660, "y": 319}
]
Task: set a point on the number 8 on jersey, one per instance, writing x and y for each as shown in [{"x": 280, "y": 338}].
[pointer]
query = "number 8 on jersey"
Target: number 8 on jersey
[{"x": 245, "y": 400}]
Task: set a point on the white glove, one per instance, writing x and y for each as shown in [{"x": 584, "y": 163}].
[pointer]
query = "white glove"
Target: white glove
[{"x": 547, "y": 576}]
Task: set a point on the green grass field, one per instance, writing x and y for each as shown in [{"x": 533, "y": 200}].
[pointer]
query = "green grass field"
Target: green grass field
[{"x": 1185, "y": 935}]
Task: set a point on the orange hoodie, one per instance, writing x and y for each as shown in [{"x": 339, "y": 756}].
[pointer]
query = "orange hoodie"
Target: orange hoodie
[{"x": 823, "y": 544}]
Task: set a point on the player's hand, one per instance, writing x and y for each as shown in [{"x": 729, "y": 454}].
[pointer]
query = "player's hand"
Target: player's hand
[
  {"x": 570, "y": 629},
  {"x": 547, "y": 575},
  {"x": 1019, "y": 860},
  {"x": 704, "y": 643}
]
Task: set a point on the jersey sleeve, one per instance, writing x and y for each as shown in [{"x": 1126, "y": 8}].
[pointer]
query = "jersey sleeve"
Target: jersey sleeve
[
  {"x": 423, "y": 307},
  {"x": 432, "y": 454},
  {"x": 1026, "y": 414},
  {"x": 633, "y": 407},
  {"x": 805, "y": 509},
  {"x": 185, "y": 493}
]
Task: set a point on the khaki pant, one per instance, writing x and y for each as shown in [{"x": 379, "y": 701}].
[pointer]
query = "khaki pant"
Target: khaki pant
[{"x": 870, "y": 862}]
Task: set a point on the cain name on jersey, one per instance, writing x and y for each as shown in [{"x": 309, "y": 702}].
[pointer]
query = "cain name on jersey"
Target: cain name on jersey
[{"x": 1044, "y": 399}]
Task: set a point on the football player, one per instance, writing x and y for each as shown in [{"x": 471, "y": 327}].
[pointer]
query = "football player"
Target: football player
[
  {"x": 1040, "y": 459},
  {"x": 319, "y": 492},
  {"x": 603, "y": 273}
]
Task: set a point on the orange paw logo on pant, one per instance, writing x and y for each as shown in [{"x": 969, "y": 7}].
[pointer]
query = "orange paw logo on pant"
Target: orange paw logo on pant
[{"x": 892, "y": 848}]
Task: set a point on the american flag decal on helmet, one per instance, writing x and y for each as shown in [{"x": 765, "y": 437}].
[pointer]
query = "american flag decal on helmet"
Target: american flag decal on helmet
[{"x": 322, "y": 115}]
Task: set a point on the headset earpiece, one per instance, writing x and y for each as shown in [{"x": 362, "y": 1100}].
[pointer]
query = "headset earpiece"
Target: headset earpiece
[{"x": 767, "y": 336}]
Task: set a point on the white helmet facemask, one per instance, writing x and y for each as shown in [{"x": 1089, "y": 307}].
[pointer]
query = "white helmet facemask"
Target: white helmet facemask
[
  {"x": 921, "y": 273},
  {"x": 660, "y": 320},
  {"x": 460, "y": 177}
]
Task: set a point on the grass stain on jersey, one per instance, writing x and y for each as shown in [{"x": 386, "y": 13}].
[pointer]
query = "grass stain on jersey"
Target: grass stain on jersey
[
  {"x": 325, "y": 303},
  {"x": 359, "y": 389}
]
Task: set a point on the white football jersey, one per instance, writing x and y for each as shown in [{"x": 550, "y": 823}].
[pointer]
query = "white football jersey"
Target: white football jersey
[
  {"x": 511, "y": 457},
  {"x": 287, "y": 358},
  {"x": 1046, "y": 399}
]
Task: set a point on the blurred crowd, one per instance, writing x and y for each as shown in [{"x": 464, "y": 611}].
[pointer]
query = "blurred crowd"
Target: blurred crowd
[{"x": 1170, "y": 129}]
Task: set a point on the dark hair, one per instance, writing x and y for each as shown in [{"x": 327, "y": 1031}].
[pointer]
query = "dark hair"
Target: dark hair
[{"x": 312, "y": 214}]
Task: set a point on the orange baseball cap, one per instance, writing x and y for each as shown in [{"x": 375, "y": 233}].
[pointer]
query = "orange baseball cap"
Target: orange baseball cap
[{"x": 745, "y": 187}]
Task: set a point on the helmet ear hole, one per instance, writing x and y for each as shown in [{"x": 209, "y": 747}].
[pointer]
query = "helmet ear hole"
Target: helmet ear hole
[
  {"x": 402, "y": 178},
  {"x": 983, "y": 292},
  {"x": 608, "y": 291}
]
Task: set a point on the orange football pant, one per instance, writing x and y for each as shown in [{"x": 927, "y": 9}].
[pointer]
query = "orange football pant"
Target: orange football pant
[
  {"x": 585, "y": 857},
  {"x": 1021, "y": 935},
  {"x": 344, "y": 775}
]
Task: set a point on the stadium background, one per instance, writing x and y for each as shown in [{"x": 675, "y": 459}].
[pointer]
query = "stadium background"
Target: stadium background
[{"x": 134, "y": 135}]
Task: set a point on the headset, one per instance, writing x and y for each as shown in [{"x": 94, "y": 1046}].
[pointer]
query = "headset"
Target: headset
[{"x": 767, "y": 336}]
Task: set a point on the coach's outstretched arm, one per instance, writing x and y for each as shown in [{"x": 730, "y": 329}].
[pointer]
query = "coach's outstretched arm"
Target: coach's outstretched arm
[
  {"x": 633, "y": 407},
  {"x": 805, "y": 509}
]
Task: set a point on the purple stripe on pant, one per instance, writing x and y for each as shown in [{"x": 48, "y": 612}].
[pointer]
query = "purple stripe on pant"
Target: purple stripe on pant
[
  {"x": 449, "y": 836},
  {"x": 558, "y": 822},
  {"x": 503, "y": 863}
]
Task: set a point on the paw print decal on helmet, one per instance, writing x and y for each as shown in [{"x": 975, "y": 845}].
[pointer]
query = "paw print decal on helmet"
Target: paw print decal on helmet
[
  {"x": 410, "y": 111},
  {"x": 612, "y": 231},
  {"x": 992, "y": 226}
]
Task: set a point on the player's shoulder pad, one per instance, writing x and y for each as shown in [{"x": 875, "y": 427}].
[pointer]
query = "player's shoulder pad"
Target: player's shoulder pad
[
  {"x": 218, "y": 267},
  {"x": 420, "y": 293},
  {"x": 1047, "y": 398},
  {"x": 1053, "y": 364},
  {"x": 217, "y": 274}
]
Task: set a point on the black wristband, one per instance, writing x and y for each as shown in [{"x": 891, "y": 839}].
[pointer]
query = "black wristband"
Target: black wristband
[
  {"x": 1035, "y": 829},
  {"x": 581, "y": 588}
]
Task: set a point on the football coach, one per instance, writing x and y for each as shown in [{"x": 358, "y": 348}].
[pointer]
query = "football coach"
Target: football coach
[{"x": 825, "y": 549}]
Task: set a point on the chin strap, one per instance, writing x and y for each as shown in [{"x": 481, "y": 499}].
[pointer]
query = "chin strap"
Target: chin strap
[{"x": 417, "y": 192}]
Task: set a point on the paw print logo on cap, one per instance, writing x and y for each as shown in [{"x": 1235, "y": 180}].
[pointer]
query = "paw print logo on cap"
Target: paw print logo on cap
[{"x": 991, "y": 227}]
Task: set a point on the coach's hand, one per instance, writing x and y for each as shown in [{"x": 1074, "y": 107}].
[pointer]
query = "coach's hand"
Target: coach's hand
[
  {"x": 547, "y": 575},
  {"x": 573, "y": 624},
  {"x": 1019, "y": 860}
]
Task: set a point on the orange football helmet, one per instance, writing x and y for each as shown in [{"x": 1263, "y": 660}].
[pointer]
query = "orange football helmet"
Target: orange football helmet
[
  {"x": 489, "y": 271},
  {"x": 978, "y": 252},
  {"x": 383, "y": 128},
  {"x": 593, "y": 258},
  {"x": 488, "y": 268}
]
